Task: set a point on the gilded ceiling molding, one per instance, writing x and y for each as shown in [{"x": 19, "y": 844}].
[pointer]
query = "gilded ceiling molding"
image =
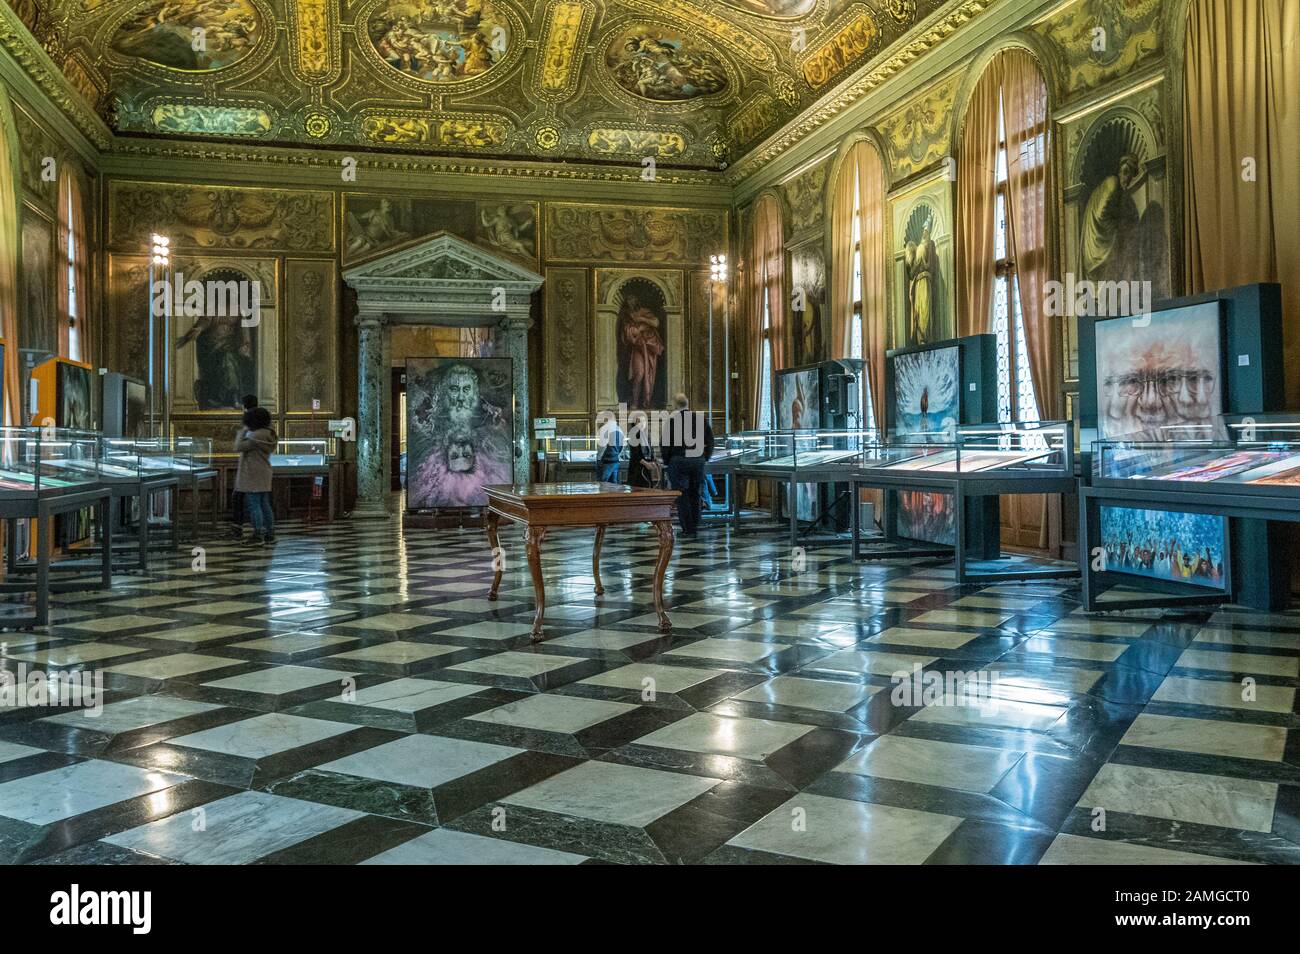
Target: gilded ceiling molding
[
  {"x": 315, "y": 56},
  {"x": 564, "y": 40},
  {"x": 867, "y": 79},
  {"x": 127, "y": 151},
  {"x": 853, "y": 33},
  {"x": 36, "y": 63}
]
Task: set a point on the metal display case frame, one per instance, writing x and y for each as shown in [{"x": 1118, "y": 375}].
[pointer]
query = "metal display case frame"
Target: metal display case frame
[
  {"x": 1037, "y": 458},
  {"x": 21, "y": 449},
  {"x": 140, "y": 469}
]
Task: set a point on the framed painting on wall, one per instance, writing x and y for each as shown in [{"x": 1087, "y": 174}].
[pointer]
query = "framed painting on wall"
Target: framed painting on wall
[
  {"x": 640, "y": 354},
  {"x": 459, "y": 430},
  {"x": 218, "y": 354},
  {"x": 921, "y": 259}
]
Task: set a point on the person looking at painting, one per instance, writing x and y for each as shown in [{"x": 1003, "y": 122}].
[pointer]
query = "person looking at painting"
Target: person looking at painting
[
  {"x": 255, "y": 443},
  {"x": 237, "y": 514},
  {"x": 687, "y": 445},
  {"x": 609, "y": 448}
]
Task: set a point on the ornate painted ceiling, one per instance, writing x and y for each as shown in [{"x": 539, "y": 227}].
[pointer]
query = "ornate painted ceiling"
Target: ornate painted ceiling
[{"x": 689, "y": 82}]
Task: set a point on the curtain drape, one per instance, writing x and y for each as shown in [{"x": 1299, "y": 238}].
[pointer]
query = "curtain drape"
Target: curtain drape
[
  {"x": 72, "y": 220},
  {"x": 875, "y": 305},
  {"x": 767, "y": 283},
  {"x": 976, "y": 204},
  {"x": 862, "y": 168},
  {"x": 1029, "y": 216},
  {"x": 1241, "y": 107},
  {"x": 10, "y": 256},
  {"x": 842, "y": 252}
]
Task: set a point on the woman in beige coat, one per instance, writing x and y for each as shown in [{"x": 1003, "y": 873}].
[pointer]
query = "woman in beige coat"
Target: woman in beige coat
[{"x": 253, "y": 478}]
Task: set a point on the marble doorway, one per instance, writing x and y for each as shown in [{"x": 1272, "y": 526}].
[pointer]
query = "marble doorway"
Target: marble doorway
[{"x": 438, "y": 280}]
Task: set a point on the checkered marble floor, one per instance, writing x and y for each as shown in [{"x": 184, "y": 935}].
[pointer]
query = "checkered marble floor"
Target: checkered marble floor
[{"x": 349, "y": 696}]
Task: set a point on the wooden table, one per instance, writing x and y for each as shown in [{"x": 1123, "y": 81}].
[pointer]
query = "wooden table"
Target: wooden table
[{"x": 542, "y": 506}]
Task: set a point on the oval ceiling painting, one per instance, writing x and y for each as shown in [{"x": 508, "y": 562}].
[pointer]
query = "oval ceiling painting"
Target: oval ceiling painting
[
  {"x": 199, "y": 35},
  {"x": 441, "y": 41},
  {"x": 783, "y": 9},
  {"x": 661, "y": 64}
]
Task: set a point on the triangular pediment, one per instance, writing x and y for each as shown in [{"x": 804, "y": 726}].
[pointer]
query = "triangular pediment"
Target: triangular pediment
[{"x": 440, "y": 259}]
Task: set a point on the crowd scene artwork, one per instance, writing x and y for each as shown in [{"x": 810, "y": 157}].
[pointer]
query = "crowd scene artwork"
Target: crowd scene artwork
[{"x": 1165, "y": 545}]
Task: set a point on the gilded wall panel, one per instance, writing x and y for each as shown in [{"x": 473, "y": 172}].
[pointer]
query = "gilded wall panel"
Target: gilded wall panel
[
  {"x": 566, "y": 335},
  {"x": 633, "y": 234},
  {"x": 126, "y": 323},
  {"x": 1101, "y": 40},
  {"x": 311, "y": 336},
  {"x": 375, "y": 222},
  {"x": 225, "y": 218},
  {"x": 919, "y": 132},
  {"x": 805, "y": 196}
]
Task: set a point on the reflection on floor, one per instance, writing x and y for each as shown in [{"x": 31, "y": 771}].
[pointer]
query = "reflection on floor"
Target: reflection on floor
[{"x": 350, "y": 696}]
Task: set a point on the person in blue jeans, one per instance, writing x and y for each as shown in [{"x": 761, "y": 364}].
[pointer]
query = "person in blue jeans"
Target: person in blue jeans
[
  {"x": 609, "y": 448},
  {"x": 255, "y": 442}
]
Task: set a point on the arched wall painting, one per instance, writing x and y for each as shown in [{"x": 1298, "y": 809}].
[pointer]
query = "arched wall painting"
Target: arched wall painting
[
  {"x": 222, "y": 350},
  {"x": 459, "y": 430},
  {"x": 1116, "y": 202},
  {"x": 922, "y": 262},
  {"x": 639, "y": 337}
]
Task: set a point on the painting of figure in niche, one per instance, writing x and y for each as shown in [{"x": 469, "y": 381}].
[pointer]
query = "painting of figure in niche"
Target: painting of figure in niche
[
  {"x": 222, "y": 352},
  {"x": 459, "y": 430},
  {"x": 163, "y": 32},
  {"x": 656, "y": 64},
  {"x": 1122, "y": 222},
  {"x": 441, "y": 41},
  {"x": 642, "y": 380},
  {"x": 923, "y": 266}
]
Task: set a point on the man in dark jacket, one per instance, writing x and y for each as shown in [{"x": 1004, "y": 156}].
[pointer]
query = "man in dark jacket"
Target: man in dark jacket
[{"x": 687, "y": 441}]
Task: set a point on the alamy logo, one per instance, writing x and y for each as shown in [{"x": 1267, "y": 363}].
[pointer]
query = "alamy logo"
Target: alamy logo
[
  {"x": 208, "y": 299},
  {"x": 75, "y": 906},
  {"x": 1089, "y": 299}
]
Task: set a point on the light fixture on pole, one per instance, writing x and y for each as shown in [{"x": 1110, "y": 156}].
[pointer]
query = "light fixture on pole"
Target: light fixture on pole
[
  {"x": 159, "y": 263},
  {"x": 718, "y": 278}
]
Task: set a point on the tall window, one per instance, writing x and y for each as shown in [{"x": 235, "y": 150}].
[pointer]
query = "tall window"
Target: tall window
[
  {"x": 1016, "y": 400},
  {"x": 856, "y": 346},
  {"x": 74, "y": 332},
  {"x": 765, "y": 419}
]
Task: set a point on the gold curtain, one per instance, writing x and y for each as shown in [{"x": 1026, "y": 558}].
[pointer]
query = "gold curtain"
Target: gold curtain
[
  {"x": 72, "y": 220},
  {"x": 1029, "y": 217},
  {"x": 767, "y": 283},
  {"x": 875, "y": 305},
  {"x": 976, "y": 204},
  {"x": 10, "y": 256},
  {"x": 1242, "y": 104},
  {"x": 842, "y": 252}
]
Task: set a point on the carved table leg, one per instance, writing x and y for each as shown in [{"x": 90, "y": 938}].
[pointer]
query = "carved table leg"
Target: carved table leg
[
  {"x": 533, "y": 537},
  {"x": 665, "y": 529},
  {"x": 595, "y": 559},
  {"x": 498, "y": 557}
]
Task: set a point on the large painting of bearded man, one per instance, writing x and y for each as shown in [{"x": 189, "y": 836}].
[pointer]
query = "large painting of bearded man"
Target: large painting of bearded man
[{"x": 459, "y": 430}]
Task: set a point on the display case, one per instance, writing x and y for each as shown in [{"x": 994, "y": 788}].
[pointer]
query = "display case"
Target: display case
[
  {"x": 1252, "y": 455},
  {"x": 42, "y": 461},
  {"x": 1010, "y": 451},
  {"x": 125, "y": 458},
  {"x": 813, "y": 456},
  {"x": 302, "y": 455}
]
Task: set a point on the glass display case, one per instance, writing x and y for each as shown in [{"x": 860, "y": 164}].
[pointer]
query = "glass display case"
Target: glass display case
[
  {"x": 302, "y": 453},
  {"x": 1039, "y": 449},
  {"x": 811, "y": 454},
  {"x": 47, "y": 460},
  {"x": 125, "y": 458},
  {"x": 1256, "y": 455}
]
